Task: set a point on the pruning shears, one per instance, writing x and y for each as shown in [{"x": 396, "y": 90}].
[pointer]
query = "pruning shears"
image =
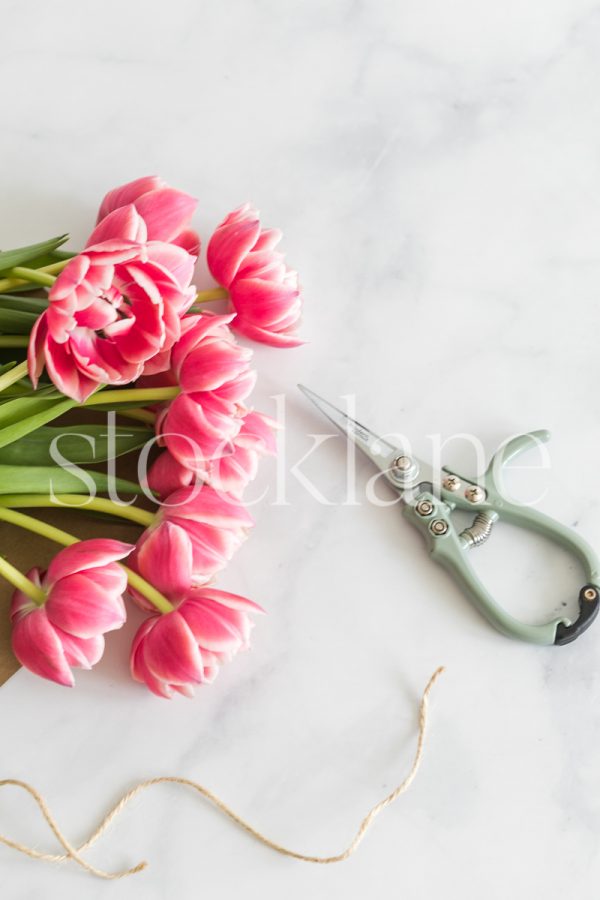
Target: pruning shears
[{"x": 428, "y": 499}]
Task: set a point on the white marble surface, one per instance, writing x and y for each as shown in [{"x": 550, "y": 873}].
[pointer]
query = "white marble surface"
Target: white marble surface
[{"x": 436, "y": 170}]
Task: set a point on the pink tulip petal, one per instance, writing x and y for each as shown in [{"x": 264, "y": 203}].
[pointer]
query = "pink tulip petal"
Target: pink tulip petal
[
  {"x": 268, "y": 239},
  {"x": 213, "y": 364},
  {"x": 195, "y": 330},
  {"x": 258, "y": 432},
  {"x": 210, "y": 629},
  {"x": 65, "y": 375},
  {"x": 138, "y": 667},
  {"x": 128, "y": 193},
  {"x": 263, "y": 264},
  {"x": 86, "y": 555},
  {"x": 263, "y": 302},
  {"x": 82, "y": 607},
  {"x": 21, "y": 605},
  {"x": 212, "y": 548},
  {"x": 141, "y": 672},
  {"x": 70, "y": 278},
  {"x": 114, "y": 251},
  {"x": 189, "y": 240},
  {"x": 236, "y": 620},
  {"x": 233, "y": 472},
  {"x": 123, "y": 224},
  {"x": 238, "y": 389},
  {"x": 170, "y": 651},
  {"x": 166, "y": 211},
  {"x": 215, "y": 508},
  {"x": 35, "y": 350},
  {"x": 210, "y": 673},
  {"x": 195, "y": 432},
  {"x": 111, "y": 578},
  {"x": 164, "y": 558},
  {"x": 186, "y": 689},
  {"x": 82, "y": 653},
  {"x": 175, "y": 261},
  {"x": 264, "y": 336},
  {"x": 227, "y": 248},
  {"x": 135, "y": 346},
  {"x": 232, "y": 601},
  {"x": 38, "y": 648},
  {"x": 139, "y": 279},
  {"x": 98, "y": 359},
  {"x": 160, "y": 362},
  {"x": 96, "y": 316},
  {"x": 167, "y": 475}
]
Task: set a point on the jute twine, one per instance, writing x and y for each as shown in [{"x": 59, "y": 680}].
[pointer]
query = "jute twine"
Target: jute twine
[{"x": 74, "y": 853}]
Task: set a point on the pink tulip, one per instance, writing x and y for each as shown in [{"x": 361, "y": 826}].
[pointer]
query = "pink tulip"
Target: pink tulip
[
  {"x": 165, "y": 211},
  {"x": 214, "y": 375},
  {"x": 83, "y": 587},
  {"x": 200, "y": 427},
  {"x": 196, "y": 532},
  {"x": 230, "y": 473},
  {"x": 186, "y": 647},
  {"x": 263, "y": 291},
  {"x": 206, "y": 356},
  {"x": 114, "y": 307},
  {"x": 164, "y": 557},
  {"x": 216, "y": 523}
]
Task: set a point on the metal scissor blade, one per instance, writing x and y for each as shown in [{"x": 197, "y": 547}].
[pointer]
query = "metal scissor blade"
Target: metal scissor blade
[{"x": 379, "y": 451}]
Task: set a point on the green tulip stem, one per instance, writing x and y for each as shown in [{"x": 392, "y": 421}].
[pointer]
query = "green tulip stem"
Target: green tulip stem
[
  {"x": 74, "y": 501},
  {"x": 14, "y": 340},
  {"x": 8, "y": 284},
  {"x": 34, "y": 276},
  {"x": 15, "y": 577},
  {"x": 217, "y": 293},
  {"x": 13, "y": 375},
  {"x": 133, "y": 395}
]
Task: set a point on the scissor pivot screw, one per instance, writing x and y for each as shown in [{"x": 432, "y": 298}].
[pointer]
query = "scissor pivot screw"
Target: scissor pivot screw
[
  {"x": 590, "y": 593},
  {"x": 403, "y": 463},
  {"x": 451, "y": 483},
  {"x": 438, "y": 526},
  {"x": 424, "y": 507},
  {"x": 475, "y": 494}
]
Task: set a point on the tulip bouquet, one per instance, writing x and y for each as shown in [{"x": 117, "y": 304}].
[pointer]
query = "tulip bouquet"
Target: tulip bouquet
[{"x": 121, "y": 328}]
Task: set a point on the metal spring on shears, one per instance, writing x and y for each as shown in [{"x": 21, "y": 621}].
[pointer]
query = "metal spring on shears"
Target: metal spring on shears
[{"x": 478, "y": 533}]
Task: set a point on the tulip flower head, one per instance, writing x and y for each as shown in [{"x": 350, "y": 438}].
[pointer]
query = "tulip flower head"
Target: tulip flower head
[
  {"x": 214, "y": 375},
  {"x": 263, "y": 291},
  {"x": 166, "y": 211},
  {"x": 83, "y": 590},
  {"x": 118, "y": 304},
  {"x": 196, "y": 532},
  {"x": 187, "y": 647}
]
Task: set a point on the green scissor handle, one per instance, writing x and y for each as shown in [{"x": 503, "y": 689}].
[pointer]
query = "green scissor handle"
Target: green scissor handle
[{"x": 432, "y": 516}]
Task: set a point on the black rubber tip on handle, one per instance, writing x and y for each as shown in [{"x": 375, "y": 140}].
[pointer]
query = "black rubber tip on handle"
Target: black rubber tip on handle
[{"x": 589, "y": 603}]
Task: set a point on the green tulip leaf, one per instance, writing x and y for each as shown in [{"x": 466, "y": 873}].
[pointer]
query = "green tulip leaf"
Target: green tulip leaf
[
  {"x": 46, "y": 259},
  {"x": 79, "y": 444},
  {"x": 35, "y": 305},
  {"x": 21, "y": 255},
  {"x": 23, "y": 415},
  {"x": 70, "y": 480},
  {"x": 16, "y": 321}
]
